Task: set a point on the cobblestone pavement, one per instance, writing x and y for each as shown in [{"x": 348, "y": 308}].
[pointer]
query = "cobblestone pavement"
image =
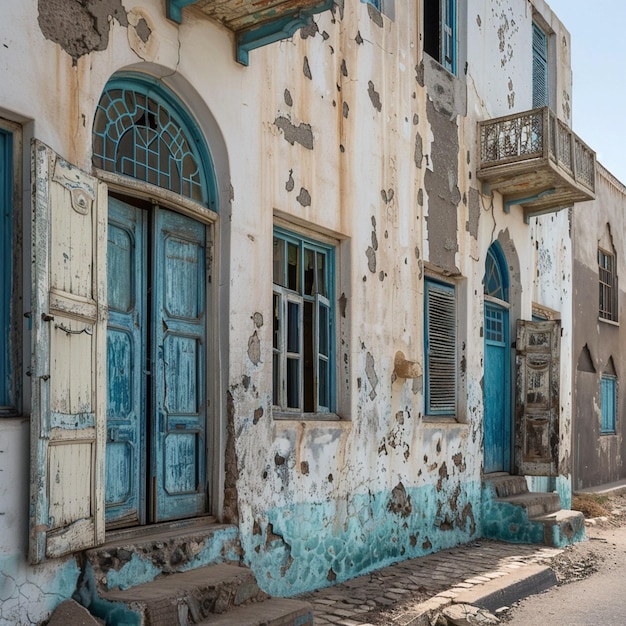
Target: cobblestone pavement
[{"x": 383, "y": 596}]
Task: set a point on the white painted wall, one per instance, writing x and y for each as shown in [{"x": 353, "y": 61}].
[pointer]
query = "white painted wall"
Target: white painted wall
[{"x": 382, "y": 439}]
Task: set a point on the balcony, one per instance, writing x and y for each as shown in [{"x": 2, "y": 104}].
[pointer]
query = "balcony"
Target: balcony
[
  {"x": 535, "y": 161},
  {"x": 254, "y": 22}
]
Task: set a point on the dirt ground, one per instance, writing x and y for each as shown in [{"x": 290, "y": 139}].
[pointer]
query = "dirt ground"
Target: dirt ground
[{"x": 603, "y": 514}]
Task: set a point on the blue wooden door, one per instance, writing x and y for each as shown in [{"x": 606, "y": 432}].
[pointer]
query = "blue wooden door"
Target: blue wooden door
[
  {"x": 126, "y": 365},
  {"x": 497, "y": 403},
  {"x": 156, "y": 413},
  {"x": 179, "y": 337}
]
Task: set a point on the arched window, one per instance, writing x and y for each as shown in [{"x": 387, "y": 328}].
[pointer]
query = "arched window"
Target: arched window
[
  {"x": 141, "y": 130},
  {"x": 496, "y": 276}
]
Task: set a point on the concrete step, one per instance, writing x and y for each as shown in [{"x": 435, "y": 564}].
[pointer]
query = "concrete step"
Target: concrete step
[
  {"x": 189, "y": 597},
  {"x": 535, "y": 503},
  {"x": 137, "y": 556},
  {"x": 562, "y": 528},
  {"x": 273, "y": 612},
  {"x": 506, "y": 485}
]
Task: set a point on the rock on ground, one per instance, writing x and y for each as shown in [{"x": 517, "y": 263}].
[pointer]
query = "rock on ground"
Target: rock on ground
[{"x": 70, "y": 613}]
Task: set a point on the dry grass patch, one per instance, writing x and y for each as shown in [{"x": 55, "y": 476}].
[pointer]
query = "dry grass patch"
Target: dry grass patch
[{"x": 590, "y": 505}]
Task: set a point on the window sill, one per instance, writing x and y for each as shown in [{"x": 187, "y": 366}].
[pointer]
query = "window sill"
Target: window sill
[
  {"x": 608, "y": 433},
  {"x": 609, "y": 322},
  {"x": 438, "y": 420},
  {"x": 306, "y": 417}
]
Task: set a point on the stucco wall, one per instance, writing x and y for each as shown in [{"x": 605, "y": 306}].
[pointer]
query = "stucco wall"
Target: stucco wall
[
  {"x": 348, "y": 132},
  {"x": 598, "y": 458}
]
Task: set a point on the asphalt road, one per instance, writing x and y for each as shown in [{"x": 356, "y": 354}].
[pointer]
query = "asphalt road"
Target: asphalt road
[{"x": 599, "y": 600}]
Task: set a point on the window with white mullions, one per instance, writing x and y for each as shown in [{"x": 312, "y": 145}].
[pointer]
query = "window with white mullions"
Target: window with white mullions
[{"x": 302, "y": 324}]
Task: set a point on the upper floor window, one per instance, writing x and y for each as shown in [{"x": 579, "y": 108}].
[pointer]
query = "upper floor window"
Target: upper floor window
[
  {"x": 440, "y": 336},
  {"x": 143, "y": 132},
  {"x": 540, "y": 67},
  {"x": 304, "y": 324},
  {"x": 440, "y": 36},
  {"x": 608, "y": 403},
  {"x": 608, "y": 285},
  {"x": 9, "y": 328}
]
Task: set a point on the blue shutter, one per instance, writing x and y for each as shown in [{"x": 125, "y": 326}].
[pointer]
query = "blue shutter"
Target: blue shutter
[
  {"x": 440, "y": 335},
  {"x": 540, "y": 67},
  {"x": 448, "y": 35},
  {"x": 608, "y": 404},
  {"x": 6, "y": 258}
]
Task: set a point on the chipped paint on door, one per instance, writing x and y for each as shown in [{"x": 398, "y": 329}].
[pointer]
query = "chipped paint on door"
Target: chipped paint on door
[
  {"x": 68, "y": 318},
  {"x": 156, "y": 435},
  {"x": 126, "y": 366},
  {"x": 537, "y": 427},
  {"x": 497, "y": 390}
]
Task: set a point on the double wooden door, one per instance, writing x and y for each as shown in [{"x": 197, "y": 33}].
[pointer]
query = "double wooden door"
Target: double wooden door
[{"x": 156, "y": 444}]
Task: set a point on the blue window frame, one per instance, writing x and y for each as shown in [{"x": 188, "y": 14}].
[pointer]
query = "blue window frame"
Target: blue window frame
[
  {"x": 141, "y": 130},
  {"x": 375, "y": 3},
  {"x": 540, "y": 67},
  {"x": 440, "y": 331},
  {"x": 440, "y": 32},
  {"x": 304, "y": 324},
  {"x": 496, "y": 277},
  {"x": 10, "y": 339},
  {"x": 608, "y": 402}
]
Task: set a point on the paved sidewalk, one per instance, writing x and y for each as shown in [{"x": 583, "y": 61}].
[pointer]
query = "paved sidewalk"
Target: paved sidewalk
[{"x": 411, "y": 588}]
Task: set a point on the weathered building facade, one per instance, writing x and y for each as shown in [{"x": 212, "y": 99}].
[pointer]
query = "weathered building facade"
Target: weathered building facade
[
  {"x": 279, "y": 299},
  {"x": 598, "y": 444}
]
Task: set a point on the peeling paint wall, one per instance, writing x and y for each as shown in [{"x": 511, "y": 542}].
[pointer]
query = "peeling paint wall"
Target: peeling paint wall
[
  {"x": 349, "y": 134},
  {"x": 597, "y": 458}
]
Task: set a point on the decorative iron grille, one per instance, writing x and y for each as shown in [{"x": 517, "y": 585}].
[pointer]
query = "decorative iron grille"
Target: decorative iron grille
[
  {"x": 512, "y": 137},
  {"x": 536, "y": 134}
]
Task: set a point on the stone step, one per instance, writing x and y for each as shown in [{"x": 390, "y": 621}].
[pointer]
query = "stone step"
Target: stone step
[
  {"x": 535, "y": 503},
  {"x": 506, "y": 485},
  {"x": 189, "y": 597},
  {"x": 273, "y": 612},
  {"x": 562, "y": 528},
  {"x": 137, "y": 556}
]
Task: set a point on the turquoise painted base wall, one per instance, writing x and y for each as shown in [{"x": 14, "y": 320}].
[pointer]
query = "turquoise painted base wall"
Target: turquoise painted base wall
[
  {"x": 29, "y": 593},
  {"x": 311, "y": 545}
]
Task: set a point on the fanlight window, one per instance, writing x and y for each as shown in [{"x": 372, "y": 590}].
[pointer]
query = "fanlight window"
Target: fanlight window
[
  {"x": 495, "y": 284},
  {"x": 139, "y": 133}
]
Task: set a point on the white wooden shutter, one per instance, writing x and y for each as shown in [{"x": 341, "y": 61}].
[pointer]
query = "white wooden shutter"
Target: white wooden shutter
[{"x": 68, "y": 361}]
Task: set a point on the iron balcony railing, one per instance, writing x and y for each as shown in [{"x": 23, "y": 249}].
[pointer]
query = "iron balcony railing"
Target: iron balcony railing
[{"x": 536, "y": 134}]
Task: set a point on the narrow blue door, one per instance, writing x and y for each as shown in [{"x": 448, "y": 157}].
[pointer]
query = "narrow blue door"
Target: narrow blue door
[
  {"x": 126, "y": 374},
  {"x": 497, "y": 420},
  {"x": 156, "y": 352},
  {"x": 179, "y": 332}
]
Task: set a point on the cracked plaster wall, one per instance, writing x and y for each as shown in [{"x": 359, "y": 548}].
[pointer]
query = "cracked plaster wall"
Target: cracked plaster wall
[{"x": 355, "y": 145}]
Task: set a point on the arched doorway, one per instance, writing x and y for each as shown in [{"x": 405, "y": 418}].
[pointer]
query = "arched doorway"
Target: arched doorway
[
  {"x": 497, "y": 364},
  {"x": 158, "y": 439}
]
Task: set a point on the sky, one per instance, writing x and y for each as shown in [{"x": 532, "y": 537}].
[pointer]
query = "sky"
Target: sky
[{"x": 598, "y": 51}]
